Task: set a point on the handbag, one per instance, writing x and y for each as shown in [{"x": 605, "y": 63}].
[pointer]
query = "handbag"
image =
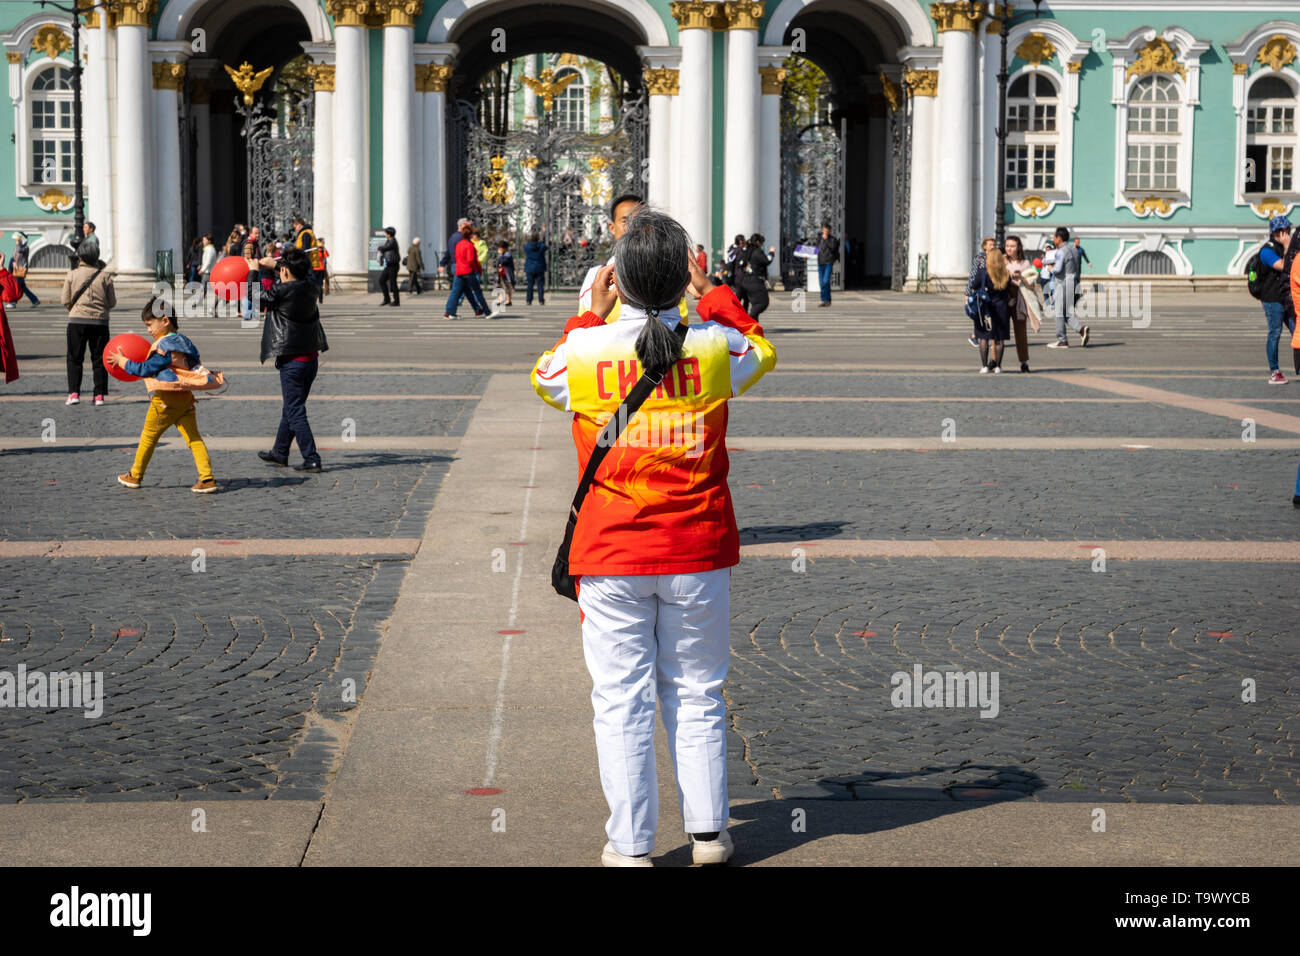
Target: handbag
[
  {"x": 561, "y": 579},
  {"x": 19, "y": 272}
]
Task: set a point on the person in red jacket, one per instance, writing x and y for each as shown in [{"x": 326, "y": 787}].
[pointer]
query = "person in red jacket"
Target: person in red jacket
[
  {"x": 656, "y": 537},
  {"x": 468, "y": 271},
  {"x": 9, "y": 294}
]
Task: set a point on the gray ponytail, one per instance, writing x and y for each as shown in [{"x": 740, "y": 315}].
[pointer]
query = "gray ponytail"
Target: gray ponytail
[{"x": 650, "y": 264}]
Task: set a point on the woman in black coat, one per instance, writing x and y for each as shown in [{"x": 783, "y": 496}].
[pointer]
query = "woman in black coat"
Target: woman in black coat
[
  {"x": 753, "y": 280},
  {"x": 994, "y": 294}
]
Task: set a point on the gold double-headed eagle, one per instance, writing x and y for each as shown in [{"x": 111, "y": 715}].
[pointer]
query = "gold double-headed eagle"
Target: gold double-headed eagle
[
  {"x": 248, "y": 82},
  {"x": 548, "y": 87}
]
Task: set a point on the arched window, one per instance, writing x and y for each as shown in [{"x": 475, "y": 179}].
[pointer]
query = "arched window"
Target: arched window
[
  {"x": 1153, "y": 135},
  {"x": 1032, "y": 136},
  {"x": 1270, "y": 136},
  {"x": 52, "y": 255},
  {"x": 1150, "y": 264},
  {"x": 571, "y": 105},
  {"x": 50, "y": 119}
]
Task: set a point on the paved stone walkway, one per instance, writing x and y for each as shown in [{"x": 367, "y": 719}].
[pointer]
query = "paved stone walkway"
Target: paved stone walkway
[{"x": 416, "y": 567}]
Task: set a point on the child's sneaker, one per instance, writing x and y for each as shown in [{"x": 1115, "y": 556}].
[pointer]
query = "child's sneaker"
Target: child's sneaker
[
  {"x": 130, "y": 480},
  {"x": 74, "y": 398},
  {"x": 99, "y": 399},
  {"x": 205, "y": 487}
]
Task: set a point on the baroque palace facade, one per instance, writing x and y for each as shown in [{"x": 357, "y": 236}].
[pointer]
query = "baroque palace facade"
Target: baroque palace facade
[{"x": 1162, "y": 133}]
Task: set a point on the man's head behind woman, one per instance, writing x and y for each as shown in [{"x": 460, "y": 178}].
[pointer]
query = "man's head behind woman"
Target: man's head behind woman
[{"x": 651, "y": 266}]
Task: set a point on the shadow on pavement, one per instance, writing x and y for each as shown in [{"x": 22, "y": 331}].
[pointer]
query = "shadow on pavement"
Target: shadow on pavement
[
  {"x": 758, "y": 534},
  {"x": 860, "y": 805}
]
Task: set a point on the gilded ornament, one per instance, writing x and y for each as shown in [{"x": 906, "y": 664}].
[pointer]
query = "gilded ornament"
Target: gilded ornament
[
  {"x": 248, "y": 82},
  {"x": 322, "y": 77},
  {"x": 51, "y": 41},
  {"x": 168, "y": 76},
  {"x": 893, "y": 95},
  {"x": 547, "y": 87},
  {"x": 1150, "y": 204},
  {"x": 921, "y": 82},
  {"x": 1036, "y": 49},
  {"x": 694, "y": 14},
  {"x": 1156, "y": 57},
  {"x": 743, "y": 16},
  {"x": 962, "y": 15},
  {"x": 1276, "y": 52},
  {"x": 661, "y": 82}
]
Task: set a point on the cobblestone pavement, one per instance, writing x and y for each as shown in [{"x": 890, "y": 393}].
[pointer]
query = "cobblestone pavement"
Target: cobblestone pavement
[
  {"x": 1157, "y": 494},
  {"x": 1124, "y": 685},
  {"x": 222, "y": 683}
]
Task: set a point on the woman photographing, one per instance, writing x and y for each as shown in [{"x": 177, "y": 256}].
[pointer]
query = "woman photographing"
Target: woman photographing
[{"x": 656, "y": 537}]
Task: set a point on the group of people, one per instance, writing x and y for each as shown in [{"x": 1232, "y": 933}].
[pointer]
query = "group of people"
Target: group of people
[
  {"x": 744, "y": 271},
  {"x": 1278, "y": 289},
  {"x": 1008, "y": 294},
  {"x": 249, "y": 244},
  {"x": 464, "y": 260}
]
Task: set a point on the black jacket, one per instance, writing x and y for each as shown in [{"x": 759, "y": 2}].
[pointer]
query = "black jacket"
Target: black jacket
[
  {"x": 1277, "y": 285},
  {"x": 292, "y": 325},
  {"x": 389, "y": 254},
  {"x": 828, "y": 250},
  {"x": 755, "y": 265}
]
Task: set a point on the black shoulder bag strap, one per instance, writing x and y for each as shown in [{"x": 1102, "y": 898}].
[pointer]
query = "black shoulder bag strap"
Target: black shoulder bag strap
[
  {"x": 561, "y": 579},
  {"x": 86, "y": 285}
]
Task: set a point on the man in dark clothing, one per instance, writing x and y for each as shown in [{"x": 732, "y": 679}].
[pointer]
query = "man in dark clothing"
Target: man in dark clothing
[
  {"x": 391, "y": 258},
  {"x": 828, "y": 253},
  {"x": 449, "y": 254},
  {"x": 1275, "y": 295},
  {"x": 415, "y": 265},
  {"x": 293, "y": 335}
]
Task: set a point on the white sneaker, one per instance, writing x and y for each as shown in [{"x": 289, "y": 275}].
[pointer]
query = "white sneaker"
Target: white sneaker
[
  {"x": 997, "y": 370},
  {"x": 1058, "y": 345},
  {"x": 984, "y": 369},
  {"x": 611, "y": 857},
  {"x": 712, "y": 852}
]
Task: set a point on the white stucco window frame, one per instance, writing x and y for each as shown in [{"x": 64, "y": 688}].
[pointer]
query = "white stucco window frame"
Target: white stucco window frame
[
  {"x": 1150, "y": 242},
  {"x": 21, "y": 74},
  {"x": 1244, "y": 52},
  {"x": 1069, "y": 50},
  {"x": 1188, "y": 50}
]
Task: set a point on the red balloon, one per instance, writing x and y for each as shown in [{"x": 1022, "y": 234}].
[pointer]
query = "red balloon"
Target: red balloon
[
  {"x": 136, "y": 348},
  {"x": 227, "y": 277},
  {"x": 1038, "y": 263}
]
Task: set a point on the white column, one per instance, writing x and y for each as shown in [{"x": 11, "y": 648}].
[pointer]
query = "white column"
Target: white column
[
  {"x": 694, "y": 114},
  {"x": 399, "y": 95},
  {"x": 957, "y": 161},
  {"x": 530, "y": 98},
  {"x": 769, "y": 161},
  {"x": 741, "y": 197},
  {"x": 921, "y": 89},
  {"x": 659, "y": 188},
  {"x": 135, "y": 164},
  {"x": 98, "y": 166},
  {"x": 322, "y": 76},
  {"x": 351, "y": 228},
  {"x": 434, "y": 157},
  {"x": 165, "y": 162},
  {"x": 986, "y": 186}
]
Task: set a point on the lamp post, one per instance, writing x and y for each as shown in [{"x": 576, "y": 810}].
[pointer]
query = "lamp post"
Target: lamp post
[{"x": 78, "y": 189}]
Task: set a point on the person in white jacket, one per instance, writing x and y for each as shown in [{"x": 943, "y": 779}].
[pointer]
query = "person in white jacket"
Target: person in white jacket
[{"x": 205, "y": 270}]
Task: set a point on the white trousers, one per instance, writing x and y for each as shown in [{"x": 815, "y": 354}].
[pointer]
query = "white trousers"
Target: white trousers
[{"x": 661, "y": 636}]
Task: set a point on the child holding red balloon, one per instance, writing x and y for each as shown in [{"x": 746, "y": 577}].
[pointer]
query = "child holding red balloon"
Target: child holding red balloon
[{"x": 172, "y": 372}]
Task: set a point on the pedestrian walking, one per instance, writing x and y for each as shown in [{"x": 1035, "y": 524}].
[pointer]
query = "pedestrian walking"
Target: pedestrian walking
[
  {"x": 1082, "y": 254},
  {"x": 701, "y": 258},
  {"x": 467, "y": 283},
  {"x": 89, "y": 297},
  {"x": 171, "y": 372},
  {"x": 207, "y": 259},
  {"x": 1273, "y": 290},
  {"x": 993, "y": 296},
  {"x": 8, "y": 353},
  {"x": 828, "y": 253},
  {"x": 506, "y": 270},
  {"x": 389, "y": 259},
  {"x": 1066, "y": 290},
  {"x": 251, "y": 249},
  {"x": 415, "y": 265},
  {"x": 1024, "y": 309},
  {"x": 987, "y": 243},
  {"x": 18, "y": 263},
  {"x": 754, "y": 277},
  {"x": 293, "y": 336},
  {"x": 535, "y": 268},
  {"x": 653, "y": 544},
  {"x": 322, "y": 277},
  {"x": 447, "y": 263}
]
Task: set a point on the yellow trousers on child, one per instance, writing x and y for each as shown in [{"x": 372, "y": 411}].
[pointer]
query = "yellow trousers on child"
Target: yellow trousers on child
[{"x": 165, "y": 410}]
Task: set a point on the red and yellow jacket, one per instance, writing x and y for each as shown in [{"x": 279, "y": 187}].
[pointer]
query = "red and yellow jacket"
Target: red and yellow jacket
[{"x": 659, "y": 503}]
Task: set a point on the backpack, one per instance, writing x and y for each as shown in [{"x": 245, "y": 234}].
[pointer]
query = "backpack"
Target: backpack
[{"x": 1255, "y": 276}]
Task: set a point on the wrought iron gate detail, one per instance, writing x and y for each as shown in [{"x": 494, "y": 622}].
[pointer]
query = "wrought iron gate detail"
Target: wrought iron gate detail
[
  {"x": 556, "y": 180},
  {"x": 280, "y": 154},
  {"x": 812, "y": 189}
]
